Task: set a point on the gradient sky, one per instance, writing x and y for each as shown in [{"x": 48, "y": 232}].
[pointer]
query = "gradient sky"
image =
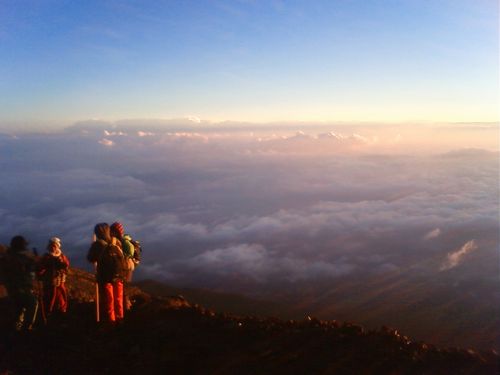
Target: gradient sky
[{"x": 258, "y": 61}]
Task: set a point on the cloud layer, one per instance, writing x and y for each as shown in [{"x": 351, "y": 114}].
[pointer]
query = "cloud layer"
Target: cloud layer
[{"x": 256, "y": 207}]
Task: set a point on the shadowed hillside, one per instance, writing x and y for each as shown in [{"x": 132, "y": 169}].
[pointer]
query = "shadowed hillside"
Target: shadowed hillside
[
  {"x": 220, "y": 302},
  {"x": 464, "y": 314},
  {"x": 168, "y": 334},
  {"x": 441, "y": 311}
]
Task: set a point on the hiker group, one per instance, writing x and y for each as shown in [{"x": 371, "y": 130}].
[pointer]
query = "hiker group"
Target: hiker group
[
  {"x": 36, "y": 285},
  {"x": 115, "y": 256}
]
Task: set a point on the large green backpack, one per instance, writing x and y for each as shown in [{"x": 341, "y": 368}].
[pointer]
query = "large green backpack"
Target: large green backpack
[{"x": 131, "y": 251}]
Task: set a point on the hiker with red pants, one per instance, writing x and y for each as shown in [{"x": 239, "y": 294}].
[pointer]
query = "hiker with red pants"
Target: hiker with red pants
[
  {"x": 131, "y": 252},
  {"x": 107, "y": 255},
  {"x": 52, "y": 270}
]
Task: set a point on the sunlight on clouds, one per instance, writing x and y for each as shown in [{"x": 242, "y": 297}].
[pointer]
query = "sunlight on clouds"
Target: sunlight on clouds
[
  {"x": 435, "y": 233},
  {"x": 194, "y": 119},
  {"x": 106, "y": 142},
  {"x": 140, "y": 133},
  {"x": 455, "y": 258}
]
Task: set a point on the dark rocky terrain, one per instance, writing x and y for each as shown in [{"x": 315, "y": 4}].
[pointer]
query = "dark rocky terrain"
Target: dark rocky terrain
[{"x": 170, "y": 335}]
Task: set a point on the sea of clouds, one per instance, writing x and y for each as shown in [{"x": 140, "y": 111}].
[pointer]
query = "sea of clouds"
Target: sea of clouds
[{"x": 218, "y": 206}]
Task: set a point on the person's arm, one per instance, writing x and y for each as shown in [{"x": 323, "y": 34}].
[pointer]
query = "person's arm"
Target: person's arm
[
  {"x": 93, "y": 253},
  {"x": 63, "y": 262},
  {"x": 41, "y": 267}
]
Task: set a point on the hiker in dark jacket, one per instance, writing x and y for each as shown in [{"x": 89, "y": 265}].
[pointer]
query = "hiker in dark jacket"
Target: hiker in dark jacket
[
  {"x": 107, "y": 255},
  {"x": 19, "y": 269},
  {"x": 52, "y": 270}
]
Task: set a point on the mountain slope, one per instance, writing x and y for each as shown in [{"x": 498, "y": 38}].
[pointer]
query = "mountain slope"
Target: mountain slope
[
  {"x": 163, "y": 335},
  {"x": 225, "y": 302},
  {"x": 444, "y": 311},
  {"x": 440, "y": 311}
]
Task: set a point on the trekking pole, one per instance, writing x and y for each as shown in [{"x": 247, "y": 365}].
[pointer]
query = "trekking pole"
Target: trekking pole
[
  {"x": 35, "y": 313},
  {"x": 35, "y": 294},
  {"x": 41, "y": 297},
  {"x": 97, "y": 315},
  {"x": 96, "y": 297}
]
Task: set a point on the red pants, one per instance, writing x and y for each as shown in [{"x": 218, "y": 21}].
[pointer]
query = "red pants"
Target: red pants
[
  {"x": 55, "y": 298},
  {"x": 112, "y": 300}
]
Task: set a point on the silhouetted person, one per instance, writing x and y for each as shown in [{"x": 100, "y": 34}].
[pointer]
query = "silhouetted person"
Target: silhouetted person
[{"x": 19, "y": 272}]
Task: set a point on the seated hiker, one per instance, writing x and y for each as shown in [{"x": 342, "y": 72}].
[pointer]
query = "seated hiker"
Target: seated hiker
[
  {"x": 52, "y": 270},
  {"x": 19, "y": 273},
  {"x": 131, "y": 252},
  {"x": 107, "y": 255}
]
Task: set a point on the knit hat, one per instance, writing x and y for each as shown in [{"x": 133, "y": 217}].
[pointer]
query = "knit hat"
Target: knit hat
[
  {"x": 56, "y": 241},
  {"x": 117, "y": 228}
]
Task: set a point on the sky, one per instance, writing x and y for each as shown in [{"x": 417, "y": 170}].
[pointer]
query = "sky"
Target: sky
[{"x": 249, "y": 61}]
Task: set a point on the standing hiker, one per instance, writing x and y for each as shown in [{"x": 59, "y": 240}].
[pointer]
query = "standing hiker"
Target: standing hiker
[
  {"x": 52, "y": 270},
  {"x": 107, "y": 255},
  {"x": 131, "y": 251},
  {"x": 19, "y": 273},
  {"x": 131, "y": 248}
]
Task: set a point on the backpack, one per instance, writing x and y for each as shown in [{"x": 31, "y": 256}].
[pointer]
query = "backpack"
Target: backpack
[
  {"x": 137, "y": 251},
  {"x": 18, "y": 271},
  {"x": 111, "y": 264},
  {"x": 131, "y": 251}
]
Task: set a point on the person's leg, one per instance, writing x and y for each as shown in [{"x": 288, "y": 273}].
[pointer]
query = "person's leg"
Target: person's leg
[
  {"x": 20, "y": 313},
  {"x": 51, "y": 300},
  {"x": 30, "y": 309},
  {"x": 118, "y": 299},
  {"x": 109, "y": 304},
  {"x": 17, "y": 311},
  {"x": 62, "y": 298}
]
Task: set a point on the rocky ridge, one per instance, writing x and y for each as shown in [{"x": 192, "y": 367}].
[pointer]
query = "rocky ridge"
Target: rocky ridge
[{"x": 169, "y": 334}]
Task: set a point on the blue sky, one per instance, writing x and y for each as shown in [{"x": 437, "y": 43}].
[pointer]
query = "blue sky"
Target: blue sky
[{"x": 257, "y": 61}]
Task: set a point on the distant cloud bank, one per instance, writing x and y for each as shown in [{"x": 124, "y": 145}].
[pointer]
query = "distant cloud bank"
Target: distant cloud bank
[{"x": 265, "y": 206}]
